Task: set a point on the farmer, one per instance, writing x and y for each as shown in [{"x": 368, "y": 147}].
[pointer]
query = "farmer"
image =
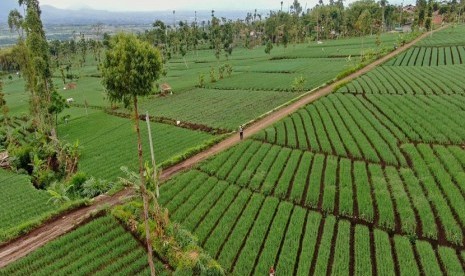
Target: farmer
[
  {"x": 272, "y": 272},
  {"x": 241, "y": 132}
]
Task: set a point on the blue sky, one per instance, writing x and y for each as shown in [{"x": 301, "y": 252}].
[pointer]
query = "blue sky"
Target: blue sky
[{"x": 157, "y": 5}]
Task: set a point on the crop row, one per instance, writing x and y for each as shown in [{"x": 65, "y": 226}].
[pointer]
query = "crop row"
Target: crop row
[
  {"x": 430, "y": 56},
  {"x": 101, "y": 247},
  {"x": 339, "y": 125},
  {"x": 255, "y": 233},
  {"x": 409, "y": 80},
  {"x": 450, "y": 36},
  {"x": 446, "y": 196},
  {"x": 428, "y": 119},
  {"x": 20, "y": 201},
  {"x": 385, "y": 197},
  {"x": 108, "y": 143},
  {"x": 223, "y": 109}
]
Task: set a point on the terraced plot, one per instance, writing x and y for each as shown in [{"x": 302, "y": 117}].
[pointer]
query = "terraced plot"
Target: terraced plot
[
  {"x": 101, "y": 247},
  {"x": 451, "y": 36},
  {"x": 249, "y": 232},
  {"x": 402, "y": 80},
  {"x": 431, "y": 56},
  {"x": 108, "y": 142},
  {"x": 20, "y": 203},
  {"x": 360, "y": 182}
]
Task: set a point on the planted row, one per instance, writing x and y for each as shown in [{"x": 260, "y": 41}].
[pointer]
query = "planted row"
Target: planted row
[
  {"x": 409, "y": 80},
  {"x": 101, "y": 247},
  {"x": 431, "y": 56},
  {"x": 338, "y": 125}
]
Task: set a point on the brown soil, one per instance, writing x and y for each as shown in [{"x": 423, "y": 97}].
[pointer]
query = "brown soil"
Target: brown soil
[{"x": 61, "y": 225}]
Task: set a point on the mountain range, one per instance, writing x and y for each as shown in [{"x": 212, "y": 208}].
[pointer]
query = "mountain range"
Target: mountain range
[{"x": 86, "y": 16}]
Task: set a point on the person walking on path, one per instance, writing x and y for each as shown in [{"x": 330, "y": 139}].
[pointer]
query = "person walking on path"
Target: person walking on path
[{"x": 241, "y": 132}]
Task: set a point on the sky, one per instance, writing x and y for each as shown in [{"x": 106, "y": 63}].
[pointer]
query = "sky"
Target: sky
[{"x": 163, "y": 5}]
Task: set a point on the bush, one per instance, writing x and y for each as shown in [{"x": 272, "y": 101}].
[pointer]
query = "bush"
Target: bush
[
  {"x": 212, "y": 75},
  {"x": 299, "y": 84},
  {"x": 201, "y": 81},
  {"x": 94, "y": 187},
  {"x": 229, "y": 69},
  {"x": 21, "y": 158},
  {"x": 221, "y": 70},
  {"x": 75, "y": 184}
]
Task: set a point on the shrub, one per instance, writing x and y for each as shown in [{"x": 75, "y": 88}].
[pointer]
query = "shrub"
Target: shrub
[
  {"x": 201, "y": 81},
  {"x": 299, "y": 84},
  {"x": 221, "y": 70},
  {"x": 212, "y": 75},
  {"x": 21, "y": 158},
  {"x": 94, "y": 187},
  {"x": 75, "y": 184},
  {"x": 229, "y": 69}
]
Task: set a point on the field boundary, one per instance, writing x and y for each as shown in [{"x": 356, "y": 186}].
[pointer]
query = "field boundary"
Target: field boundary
[{"x": 53, "y": 229}]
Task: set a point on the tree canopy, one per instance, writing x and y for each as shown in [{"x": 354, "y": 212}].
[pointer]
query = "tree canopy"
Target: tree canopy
[{"x": 130, "y": 68}]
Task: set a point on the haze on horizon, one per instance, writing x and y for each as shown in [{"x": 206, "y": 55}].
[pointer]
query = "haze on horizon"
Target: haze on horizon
[{"x": 150, "y": 5}]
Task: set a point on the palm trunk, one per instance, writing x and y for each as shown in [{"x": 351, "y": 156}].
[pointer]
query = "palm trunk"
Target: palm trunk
[{"x": 144, "y": 191}]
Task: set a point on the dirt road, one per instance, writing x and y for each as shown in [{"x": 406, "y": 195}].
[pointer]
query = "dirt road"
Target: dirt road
[
  {"x": 51, "y": 230},
  {"x": 281, "y": 113}
]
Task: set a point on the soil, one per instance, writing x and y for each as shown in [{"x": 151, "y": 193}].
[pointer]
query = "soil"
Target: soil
[{"x": 61, "y": 225}]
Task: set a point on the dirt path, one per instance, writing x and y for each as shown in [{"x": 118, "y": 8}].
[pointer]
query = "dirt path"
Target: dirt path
[
  {"x": 63, "y": 224},
  {"x": 24, "y": 245},
  {"x": 282, "y": 113}
]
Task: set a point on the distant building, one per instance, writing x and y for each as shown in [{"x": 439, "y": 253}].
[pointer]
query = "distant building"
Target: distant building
[
  {"x": 410, "y": 9},
  {"x": 437, "y": 18},
  {"x": 165, "y": 89}
]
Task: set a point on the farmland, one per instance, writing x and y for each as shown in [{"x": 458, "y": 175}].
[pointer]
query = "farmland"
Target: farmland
[
  {"x": 316, "y": 64},
  {"x": 101, "y": 247},
  {"x": 369, "y": 180},
  {"x": 243, "y": 222},
  {"x": 17, "y": 190},
  {"x": 107, "y": 143},
  {"x": 373, "y": 172}
]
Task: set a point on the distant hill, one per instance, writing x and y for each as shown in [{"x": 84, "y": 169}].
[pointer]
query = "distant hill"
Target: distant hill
[
  {"x": 85, "y": 16},
  {"x": 52, "y": 15}
]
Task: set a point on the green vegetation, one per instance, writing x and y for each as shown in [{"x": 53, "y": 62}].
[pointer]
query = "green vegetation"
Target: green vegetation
[
  {"x": 101, "y": 247},
  {"x": 20, "y": 203},
  {"x": 368, "y": 180},
  {"x": 110, "y": 137},
  {"x": 386, "y": 172},
  {"x": 452, "y": 36}
]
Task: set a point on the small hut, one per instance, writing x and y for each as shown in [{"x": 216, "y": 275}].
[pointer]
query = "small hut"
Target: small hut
[
  {"x": 70, "y": 86},
  {"x": 165, "y": 89},
  {"x": 4, "y": 160}
]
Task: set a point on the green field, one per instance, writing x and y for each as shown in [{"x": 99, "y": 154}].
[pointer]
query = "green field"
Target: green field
[
  {"x": 108, "y": 142},
  {"x": 451, "y": 36},
  {"x": 20, "y": 203},
  {"x": 359, "y": 182},
  {"x": 101, "y": 247},
  {"x": 233, "y": 100},
  {"x": 369, "y": 180}
]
